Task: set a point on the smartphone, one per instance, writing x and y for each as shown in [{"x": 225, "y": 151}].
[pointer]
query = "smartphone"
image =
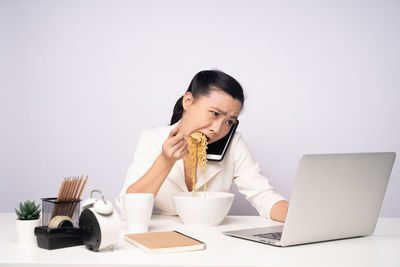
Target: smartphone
[{"x": 216, "y": 151}]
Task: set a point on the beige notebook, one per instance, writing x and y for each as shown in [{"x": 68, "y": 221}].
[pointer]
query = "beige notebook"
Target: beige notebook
[{"x": 164, "y": 242}]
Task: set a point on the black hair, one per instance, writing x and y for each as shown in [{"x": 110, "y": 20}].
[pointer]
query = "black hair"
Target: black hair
[{"x": 203, "y": 83}]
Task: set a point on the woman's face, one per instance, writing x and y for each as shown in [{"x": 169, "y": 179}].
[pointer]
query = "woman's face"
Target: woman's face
[{"x": 213, "y": 115}]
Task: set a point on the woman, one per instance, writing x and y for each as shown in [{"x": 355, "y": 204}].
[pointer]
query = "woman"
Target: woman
[{"x": 210, "y": 106}]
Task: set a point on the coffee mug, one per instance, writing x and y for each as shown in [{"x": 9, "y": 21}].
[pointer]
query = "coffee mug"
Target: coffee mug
[{"x": 138, "y": 208}]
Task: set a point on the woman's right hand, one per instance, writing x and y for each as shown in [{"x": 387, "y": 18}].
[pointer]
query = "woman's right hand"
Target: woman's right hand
[{"x": 175, "y": 146}]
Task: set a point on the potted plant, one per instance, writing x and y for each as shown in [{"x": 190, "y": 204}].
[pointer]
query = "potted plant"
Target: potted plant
[{"x": 28, "y": 218}]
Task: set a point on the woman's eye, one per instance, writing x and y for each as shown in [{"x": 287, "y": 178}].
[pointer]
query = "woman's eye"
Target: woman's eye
[
  {"x": 229, "y": 123},
  {"x": 215, "y": 113}
]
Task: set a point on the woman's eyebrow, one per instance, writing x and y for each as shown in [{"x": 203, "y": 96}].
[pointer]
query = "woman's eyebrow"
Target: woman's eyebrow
[{"x": 224, "y": 113}]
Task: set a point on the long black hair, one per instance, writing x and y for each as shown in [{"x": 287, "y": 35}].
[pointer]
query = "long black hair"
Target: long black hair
[{"x": 206, "y": 81}]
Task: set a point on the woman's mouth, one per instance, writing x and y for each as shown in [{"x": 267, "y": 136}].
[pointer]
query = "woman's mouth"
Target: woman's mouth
[{"x": 207, "y": 138}]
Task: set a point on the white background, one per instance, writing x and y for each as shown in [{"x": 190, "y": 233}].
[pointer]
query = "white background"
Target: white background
[{"x": 79, "y": 80}]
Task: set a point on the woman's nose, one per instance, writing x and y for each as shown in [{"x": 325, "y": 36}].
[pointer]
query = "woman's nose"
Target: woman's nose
[{"x": 216, "y": 127}]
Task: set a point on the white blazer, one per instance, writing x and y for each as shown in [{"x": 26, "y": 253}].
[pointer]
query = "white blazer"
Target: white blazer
[{"x": 238, "y": 165}]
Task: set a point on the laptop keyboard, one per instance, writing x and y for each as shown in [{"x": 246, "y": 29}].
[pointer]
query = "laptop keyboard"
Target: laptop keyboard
[{"x": 275, "y": 236}]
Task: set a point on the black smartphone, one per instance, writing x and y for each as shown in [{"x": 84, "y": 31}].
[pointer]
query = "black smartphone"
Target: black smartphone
[{"x": 216, "y": 151}]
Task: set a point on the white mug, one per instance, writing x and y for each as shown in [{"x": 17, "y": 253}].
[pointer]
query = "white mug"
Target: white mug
[{"x": 138, "y": 208}]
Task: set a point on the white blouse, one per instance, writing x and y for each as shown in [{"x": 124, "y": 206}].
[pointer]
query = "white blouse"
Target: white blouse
[{"x": 238, "y": 165}]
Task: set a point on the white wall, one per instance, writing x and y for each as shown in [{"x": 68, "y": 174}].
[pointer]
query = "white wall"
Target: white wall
[{"x": 80, "y": 79}]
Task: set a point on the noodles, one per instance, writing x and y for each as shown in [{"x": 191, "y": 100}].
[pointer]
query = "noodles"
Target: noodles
[{"x": 197, "y": 157}]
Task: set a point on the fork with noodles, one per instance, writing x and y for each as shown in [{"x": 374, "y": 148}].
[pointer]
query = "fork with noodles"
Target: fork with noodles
[
  {"x": 193, "y": 138},
  {"x": 197, "y": 146}
]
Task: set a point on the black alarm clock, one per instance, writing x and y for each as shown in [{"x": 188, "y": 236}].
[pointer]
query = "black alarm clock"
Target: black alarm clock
[{"x": 99, "y": 224}]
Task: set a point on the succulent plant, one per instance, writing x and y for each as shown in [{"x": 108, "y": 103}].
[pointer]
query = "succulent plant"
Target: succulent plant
[{"x": 28, "y": 211}]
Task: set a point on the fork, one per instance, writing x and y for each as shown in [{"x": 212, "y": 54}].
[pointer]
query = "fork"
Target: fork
[{"x": 188, "y": 136}]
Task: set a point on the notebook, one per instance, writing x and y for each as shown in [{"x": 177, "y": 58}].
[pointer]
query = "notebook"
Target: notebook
[{"x": 164, "y": 242}]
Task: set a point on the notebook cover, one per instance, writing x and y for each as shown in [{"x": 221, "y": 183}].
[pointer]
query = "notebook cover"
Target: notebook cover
[{"x": 167, "y": 241}]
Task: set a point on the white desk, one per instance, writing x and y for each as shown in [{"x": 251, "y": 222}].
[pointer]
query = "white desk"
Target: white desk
[{"x": 380, "y": 249}]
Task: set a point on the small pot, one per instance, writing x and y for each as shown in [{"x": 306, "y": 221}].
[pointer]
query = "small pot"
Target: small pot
[{"x": 25, "y": 231}]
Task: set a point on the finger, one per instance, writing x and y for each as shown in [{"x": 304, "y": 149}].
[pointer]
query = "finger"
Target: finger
[
  {"x": 182, "y": 151},
  {"x": 171, "y": 145},
  {"x": 176, "y": 151},
  {"x": 171, "y": 142},
  {"x": 177, "y": 146},
  {"x": 175, "y": 134},
  {"x": 174, "y": 131},
  {"x": 176, "y": 139}
]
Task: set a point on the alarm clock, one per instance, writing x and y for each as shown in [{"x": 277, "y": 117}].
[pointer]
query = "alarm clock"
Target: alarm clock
[{"x": 99, "y": 223}]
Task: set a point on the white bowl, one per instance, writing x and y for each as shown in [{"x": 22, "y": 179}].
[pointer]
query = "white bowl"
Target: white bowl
[{"x": 202, "y": 211}]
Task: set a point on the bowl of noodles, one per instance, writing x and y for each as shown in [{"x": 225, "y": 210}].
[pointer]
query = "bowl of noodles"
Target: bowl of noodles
[{"x": 203, "y": 210}]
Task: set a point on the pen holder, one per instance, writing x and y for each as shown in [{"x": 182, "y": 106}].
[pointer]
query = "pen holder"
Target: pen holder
[
  {"x": 60, "y": 222},
  {"x": 52, "y": 208}
]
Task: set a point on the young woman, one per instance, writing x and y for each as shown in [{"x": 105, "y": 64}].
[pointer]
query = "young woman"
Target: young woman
[{"x": 211, "y": 105}]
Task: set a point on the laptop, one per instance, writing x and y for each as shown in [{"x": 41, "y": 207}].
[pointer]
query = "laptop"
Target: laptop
[{"x": 335, "y": 196}]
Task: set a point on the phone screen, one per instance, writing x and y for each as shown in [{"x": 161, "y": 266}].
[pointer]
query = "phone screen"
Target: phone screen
[{"x": 216, "y": 151}]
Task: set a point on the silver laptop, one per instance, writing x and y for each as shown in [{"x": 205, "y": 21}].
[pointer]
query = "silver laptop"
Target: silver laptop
[{"x": 335, "y": 196}]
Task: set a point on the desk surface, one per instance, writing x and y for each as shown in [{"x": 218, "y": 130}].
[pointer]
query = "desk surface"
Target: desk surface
[{"x": 380, "y": 249}]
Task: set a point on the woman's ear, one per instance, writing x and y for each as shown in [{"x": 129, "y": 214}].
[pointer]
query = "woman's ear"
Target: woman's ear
[{"x": 187, "y": 100}]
